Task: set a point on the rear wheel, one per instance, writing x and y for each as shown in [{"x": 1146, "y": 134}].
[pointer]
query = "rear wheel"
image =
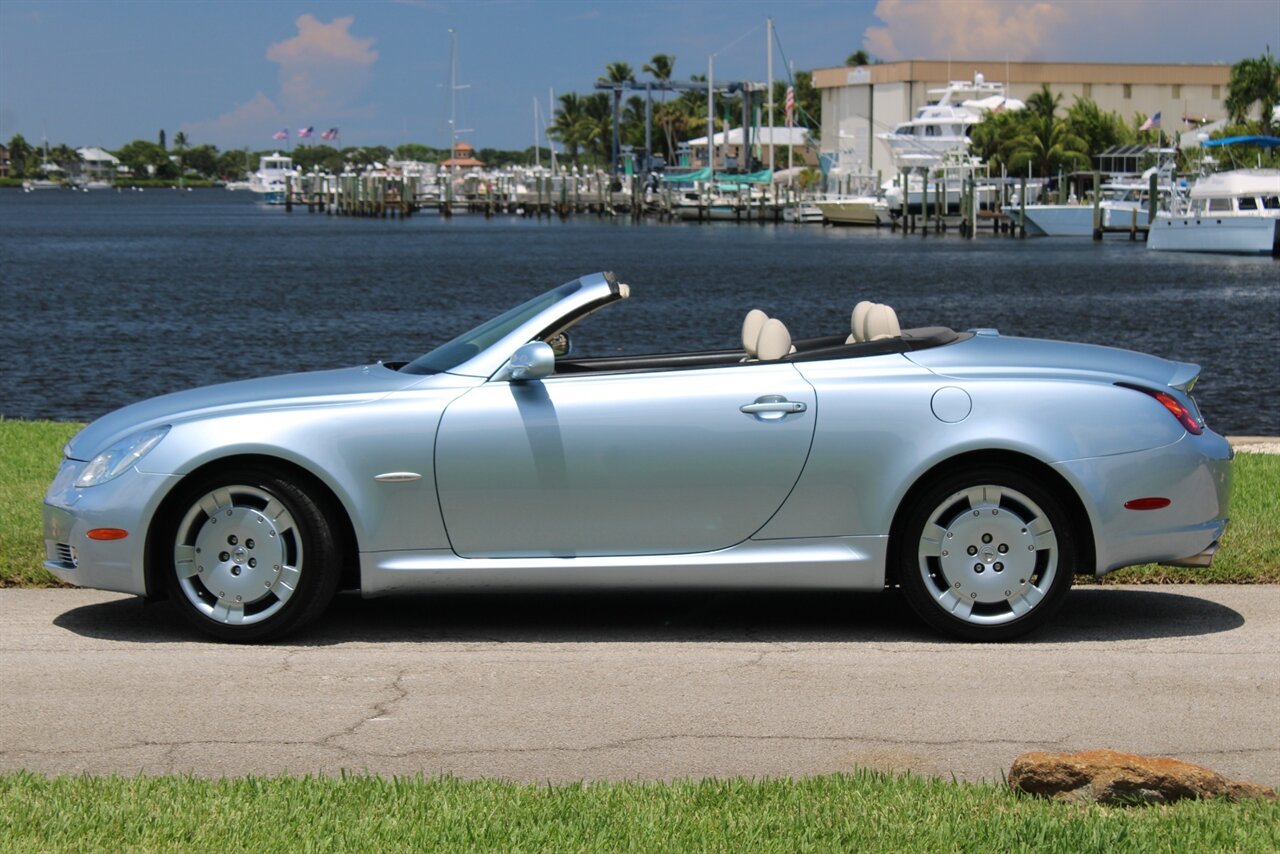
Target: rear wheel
[
  {"x": 252, "y": 558},
  {"x": 987, "y": 554}
]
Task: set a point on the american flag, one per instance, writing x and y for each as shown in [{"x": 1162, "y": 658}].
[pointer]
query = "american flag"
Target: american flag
[
  {"x": 791, "y": 103},
  {"x": 1151, "y": 123},
  {"x": 331, "y": 133},
  {"x": 281, "y": 134},
  {"x": 305, "y": 133}
]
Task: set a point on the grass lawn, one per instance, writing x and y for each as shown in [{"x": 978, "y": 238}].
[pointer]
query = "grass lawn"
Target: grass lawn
[
  {"x": 864, "y": 812},
  {"x": 31, "y": 450}
]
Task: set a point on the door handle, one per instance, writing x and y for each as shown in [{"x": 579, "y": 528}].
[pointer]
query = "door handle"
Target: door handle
[{"x": 772, "y": 406}]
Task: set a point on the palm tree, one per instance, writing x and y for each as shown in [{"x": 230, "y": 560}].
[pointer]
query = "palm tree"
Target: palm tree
[
  {"x": 616, "y": 72},
  {"x": 180, "y": 145},
  {"x": 1048, "y": 144},
  {"x": 1043, "y": 103},
  {"x": 1254, "y": 81},
  {"x": 857, "y": 58},
  {"x": 660, "y": 67},
  {"x": 598, "y": 126},
  {"x": 674, "y": 119},
  {"x": 20, "y": 152},
  {"x": 570, "y": 126},
  {"x": 1099, "y": 130}
]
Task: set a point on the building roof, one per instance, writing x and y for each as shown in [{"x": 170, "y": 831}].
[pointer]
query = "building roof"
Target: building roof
[
  {"x": 96, "y": 155},
  {"x": 464, "y": 146},
  {"x": 462, "y": 161},
  {"x": 760, "y": 136},
  {"x": 1022, "y": 72}
]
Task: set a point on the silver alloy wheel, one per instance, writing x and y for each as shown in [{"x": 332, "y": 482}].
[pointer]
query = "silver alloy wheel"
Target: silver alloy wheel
[
  {"x": 238, "y": 555},
  {"x": 988, "y": 555}
]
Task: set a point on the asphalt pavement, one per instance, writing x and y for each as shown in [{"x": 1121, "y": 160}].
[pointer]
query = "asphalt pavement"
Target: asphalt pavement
[{"x": 638, "y": 686}]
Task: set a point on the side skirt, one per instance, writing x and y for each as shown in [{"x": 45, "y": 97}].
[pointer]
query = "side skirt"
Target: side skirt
[{"x": 830, "y": 563}]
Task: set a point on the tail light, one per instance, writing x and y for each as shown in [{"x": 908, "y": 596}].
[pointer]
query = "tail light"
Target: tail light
[{"x": 1185, "y": 416}]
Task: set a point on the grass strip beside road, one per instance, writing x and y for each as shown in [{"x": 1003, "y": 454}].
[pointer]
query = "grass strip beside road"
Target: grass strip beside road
[
  {"x": 30, "y": 452},
  {"x": 865, "y": 811}
]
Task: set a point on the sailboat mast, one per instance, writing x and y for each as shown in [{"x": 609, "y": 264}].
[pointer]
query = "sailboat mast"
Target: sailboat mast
[
  {"x": 711, "y": 116},
  {"x": 453, "y": 94},
  {"x": 769, "y": 64}
]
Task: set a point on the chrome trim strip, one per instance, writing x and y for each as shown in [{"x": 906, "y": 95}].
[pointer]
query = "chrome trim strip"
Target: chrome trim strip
[{"x": 397, "y": 477}]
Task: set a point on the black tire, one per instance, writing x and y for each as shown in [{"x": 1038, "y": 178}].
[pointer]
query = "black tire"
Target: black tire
[
  {"x": 986, "y": 554},
  {"x": 248, "y": 555}
]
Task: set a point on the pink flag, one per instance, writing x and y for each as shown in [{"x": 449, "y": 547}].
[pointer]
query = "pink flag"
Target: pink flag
[
  {"x": 281, "y": 134},
  {"x": 305, "y": 133},
  {"x": 331, "y": 133}
]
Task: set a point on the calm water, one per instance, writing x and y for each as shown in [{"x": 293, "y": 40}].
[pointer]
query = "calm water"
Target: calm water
[{"x": 112, "y": 297}]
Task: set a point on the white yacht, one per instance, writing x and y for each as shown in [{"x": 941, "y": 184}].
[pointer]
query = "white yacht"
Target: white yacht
[
  {"x": 1235, "y": 212},
  {"x": 271, "y": 179},
  {"x": 853, "y": 210},
  {"x": 940, "y": 127},
  {"x": 1124, "y": 202}
]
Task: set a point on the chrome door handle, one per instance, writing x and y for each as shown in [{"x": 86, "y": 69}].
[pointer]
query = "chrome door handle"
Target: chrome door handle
[{"x": 772, "y": 406}]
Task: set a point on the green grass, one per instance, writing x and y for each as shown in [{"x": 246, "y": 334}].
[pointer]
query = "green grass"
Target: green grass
[
  {"x": 865, "y": 812},
  {"x": 30, "y": 452}
]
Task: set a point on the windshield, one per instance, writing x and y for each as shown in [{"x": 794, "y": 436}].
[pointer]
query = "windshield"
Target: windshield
[{"x": 448, "y": 356}]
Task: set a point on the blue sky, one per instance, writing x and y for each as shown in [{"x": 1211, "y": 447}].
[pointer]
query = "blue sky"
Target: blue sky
[{"x": 97, "y": 72}]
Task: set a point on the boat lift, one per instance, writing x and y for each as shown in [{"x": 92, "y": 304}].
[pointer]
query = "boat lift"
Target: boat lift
[{"x": 745, "y": 87}]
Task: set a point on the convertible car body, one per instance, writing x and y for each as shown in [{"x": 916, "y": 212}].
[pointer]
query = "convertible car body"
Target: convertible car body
[{"x": 976, "y": 471}]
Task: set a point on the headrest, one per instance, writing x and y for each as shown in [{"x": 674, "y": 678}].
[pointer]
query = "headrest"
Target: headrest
[
  {"x": 881, "y": 322},
  {"x": 858, "y": 319},
  {"x": 774, "y": 341},
  {"x": 751, "y": 327}
]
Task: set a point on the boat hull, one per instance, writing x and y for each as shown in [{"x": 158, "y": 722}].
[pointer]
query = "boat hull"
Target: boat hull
[
  {"x": 849, "y": 213},
  {"x": 1239, "y": 235}
]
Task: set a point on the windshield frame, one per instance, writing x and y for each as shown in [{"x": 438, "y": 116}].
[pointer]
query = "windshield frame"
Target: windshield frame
[{"x": 482, "y": 351}]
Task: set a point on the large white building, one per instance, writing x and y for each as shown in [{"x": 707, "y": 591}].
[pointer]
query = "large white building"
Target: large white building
[{"x": 858, "y": 103}]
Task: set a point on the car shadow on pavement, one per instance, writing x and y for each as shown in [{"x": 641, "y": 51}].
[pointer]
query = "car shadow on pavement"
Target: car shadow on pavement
[{"x": 1089, "y": 614}]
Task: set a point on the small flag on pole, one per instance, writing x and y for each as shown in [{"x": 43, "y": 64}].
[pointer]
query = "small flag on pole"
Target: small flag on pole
[
  {"x": 331, "y": 133},
  {"x": 791, "y": 103},
  {"x": 281, "y": 134},
  {"x": 305, "y": 133},
  {"x": 1151, "y": 123}
]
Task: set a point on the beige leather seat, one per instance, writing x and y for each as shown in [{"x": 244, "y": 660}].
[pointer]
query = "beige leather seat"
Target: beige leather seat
[
  {"x": 751, "y": 326},
  {"x": 856, "y": 322},
  {"x": 881, "y": 322},
  {"x": 774, "y": 341}
]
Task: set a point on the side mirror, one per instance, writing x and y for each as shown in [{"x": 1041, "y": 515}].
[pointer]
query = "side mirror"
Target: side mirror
[{"x": 532, "y": 361}]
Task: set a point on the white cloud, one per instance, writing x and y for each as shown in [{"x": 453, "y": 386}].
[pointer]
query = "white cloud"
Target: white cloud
[
  {"x": 324, "y": 72},
  {"x": 1073, "y": 30},
  {"x": 249, "y": 120},
  {"x": 964, "y": 29},
  {"x": 323, "y": 69}
]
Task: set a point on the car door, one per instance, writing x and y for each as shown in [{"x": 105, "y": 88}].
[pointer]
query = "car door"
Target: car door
[{"x": 649, "y": 462}]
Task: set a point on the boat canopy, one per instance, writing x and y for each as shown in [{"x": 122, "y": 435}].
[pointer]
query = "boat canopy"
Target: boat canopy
[
  {"x": 1263, "y": 141},
  {"x": 765, "y": 176}
]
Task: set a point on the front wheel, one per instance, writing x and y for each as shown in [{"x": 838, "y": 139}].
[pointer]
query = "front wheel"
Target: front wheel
[
  {"x": 987, "y": 554},
  {"x": 252, "y": 558}
]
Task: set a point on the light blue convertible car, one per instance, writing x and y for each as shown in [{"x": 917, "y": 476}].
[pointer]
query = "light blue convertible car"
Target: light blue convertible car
[{"x": 976, "y": 472}]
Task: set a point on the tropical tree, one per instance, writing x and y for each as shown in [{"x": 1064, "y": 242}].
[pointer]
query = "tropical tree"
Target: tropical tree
[
  {"x": 570, "y": 126},
  {"x": 660, "y": 67},
  {"x": 1254, "y": 81},
  {"x": 598, "y": 126},
  {"x": 20, "y": 152},
  {"x": 1047, "y": 144},
  {"x": 180, "y": 146},
  {"x": 857, "y": 58},
  {"x": 1043, "y": 103},
  {"x": 617, "y": 72},
  {"x": 1098, "y": 130}
]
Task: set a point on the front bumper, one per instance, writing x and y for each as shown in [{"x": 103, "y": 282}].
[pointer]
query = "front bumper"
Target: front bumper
[
  {"x": 128, "y": 502},
  {"x": 1194, "y": 473}
]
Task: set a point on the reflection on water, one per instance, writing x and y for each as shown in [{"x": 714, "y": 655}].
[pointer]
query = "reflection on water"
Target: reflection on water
[{"x": 109, "y": 297}]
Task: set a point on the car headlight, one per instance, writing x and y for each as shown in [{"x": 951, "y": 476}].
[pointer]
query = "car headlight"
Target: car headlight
[{"x": 117, "y": 459}]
